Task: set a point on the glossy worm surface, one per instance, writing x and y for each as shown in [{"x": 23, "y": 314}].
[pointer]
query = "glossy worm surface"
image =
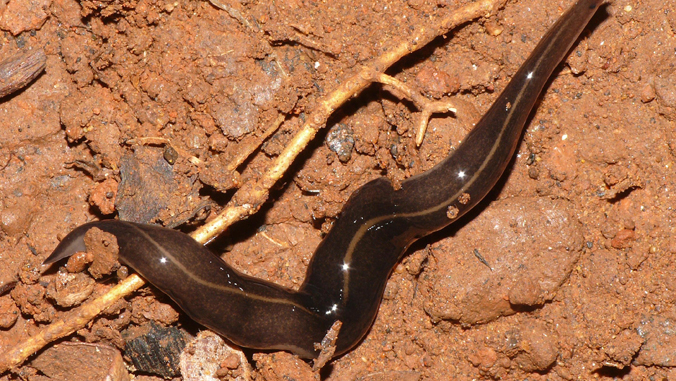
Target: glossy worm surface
[{"x": 347, "y": 275}]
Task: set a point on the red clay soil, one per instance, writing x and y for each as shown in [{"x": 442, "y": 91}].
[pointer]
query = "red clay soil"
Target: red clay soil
[{"x": 565, "y": 272}]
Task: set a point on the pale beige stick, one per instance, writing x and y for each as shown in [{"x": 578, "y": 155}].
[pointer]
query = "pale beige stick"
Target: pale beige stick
[
  {"x": 245, "y": 152},
  {"x": 68, "y": 324},
  {"x": 79, "y": 318},
  {"x": 251, "y": 196}
]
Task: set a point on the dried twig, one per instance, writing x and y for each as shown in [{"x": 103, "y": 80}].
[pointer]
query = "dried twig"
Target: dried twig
[
  {"x": 327, "y": 347},
  {"x": 300, "y": 36},
  {"x": 68, "y": 324},
  {"x": 20, "y": 69},
  {"x": 248, "y": 199}
]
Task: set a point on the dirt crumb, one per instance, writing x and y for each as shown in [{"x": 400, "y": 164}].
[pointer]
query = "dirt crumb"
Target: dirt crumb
[
  {"x": 660, "y": 341},
  {"x": 147, "y": 308},
  {"x": 280, "y": 366},
  {"x": 528, "y": 271},
  {"x": 104, "y": 248},
  {"x": 23, "y": 15},
  {"x": 69, "y": 290},
  {"x": 9, "y": 312},
  {"x": 103, "y": 196},
  {"x": 209, "y": 358},
  {"x": 623, "y": 349},
  {"x": 31, "y": 300},
  {"x": 81, "y": 362}
]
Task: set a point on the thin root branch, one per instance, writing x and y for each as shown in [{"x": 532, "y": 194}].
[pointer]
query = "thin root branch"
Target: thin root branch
[
  {"x": 427, "y": 107},
  {"x": 245, "y": 152},
  {"x": 235, "y": 14},
  {"x": 159, "y": 141}
]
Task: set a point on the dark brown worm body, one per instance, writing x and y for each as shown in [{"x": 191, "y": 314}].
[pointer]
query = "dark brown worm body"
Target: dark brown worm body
[{"x": 348, "y": 272}]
